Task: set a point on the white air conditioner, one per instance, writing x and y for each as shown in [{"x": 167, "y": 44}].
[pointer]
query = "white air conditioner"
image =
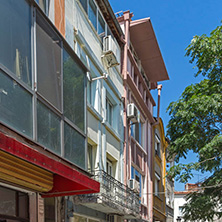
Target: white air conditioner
[
  {"x": 134, "y": 185},
  {"x": 110, "y": 52},
  {"x": 133, "y": 113}
]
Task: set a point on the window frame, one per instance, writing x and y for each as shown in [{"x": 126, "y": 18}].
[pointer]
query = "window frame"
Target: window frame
[
  {"x": 86, "y": 217},
  {"x": 107, "y": 30},
  {"x": 109, "y": 167},
  {"x": 16, "y": 216},
  {"x": 32, "y": 89},
  {"x": 109, "y": 111},
  {"x": 157, "y": 185},
  {"x": 157, "y": 145}
]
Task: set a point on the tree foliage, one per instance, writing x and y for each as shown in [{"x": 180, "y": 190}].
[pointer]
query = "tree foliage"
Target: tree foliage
[{"x": 196, "y": 125}]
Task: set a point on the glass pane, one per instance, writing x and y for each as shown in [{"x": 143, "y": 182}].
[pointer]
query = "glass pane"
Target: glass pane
[
  {"x": 15, "y": 105},
  {"x": 48, "y": 128},
  {"x": 92, "y": 13},
  {"x": 84, "y": 4},
  {"x": 23, "y": 205},
  {"x": 101, "y": 26},
  {"x": 48, "y": 63},
  {"x": 7, "y": 201},
  {"x": 89, "y": 91},
  {"x": 15, "y": 38},
  {"x": 90, "y": 158},
  {"x": 79, "y": 219},
  {"x": 91, "y": 220},
  {"x": 42, "y": 4},
  {"x": 74, "y": 146},
  {"x": 49, "y": 208},
  {"x": 74, "y": 91}
]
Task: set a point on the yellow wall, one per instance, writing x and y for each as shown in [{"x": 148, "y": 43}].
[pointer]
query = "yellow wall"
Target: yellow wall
[{"x": 159, "y": 166}]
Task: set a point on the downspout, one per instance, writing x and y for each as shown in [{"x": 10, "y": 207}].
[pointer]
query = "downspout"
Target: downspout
[
  {"x": 126, "y": 136},
  {"x": 159, "y": 88},
  {"x": 124, "y": 71}
]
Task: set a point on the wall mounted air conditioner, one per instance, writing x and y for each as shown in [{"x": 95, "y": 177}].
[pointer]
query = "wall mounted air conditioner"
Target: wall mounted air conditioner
[
  {"x": 109, "y": 52},
  {"x": 133, "y": 113},
  {"x": 134, "y": 185}
]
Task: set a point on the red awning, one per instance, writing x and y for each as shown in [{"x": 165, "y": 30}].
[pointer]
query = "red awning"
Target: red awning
[{"x": 66, "y": 180}]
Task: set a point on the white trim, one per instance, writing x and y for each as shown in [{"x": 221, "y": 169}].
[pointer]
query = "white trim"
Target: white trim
[{"x": 15, "y": 188}]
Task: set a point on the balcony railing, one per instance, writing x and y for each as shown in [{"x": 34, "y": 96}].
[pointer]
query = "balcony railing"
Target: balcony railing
[{"x": 115, "y": 194}]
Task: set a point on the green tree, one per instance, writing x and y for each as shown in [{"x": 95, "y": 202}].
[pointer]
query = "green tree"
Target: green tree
[{"x": 196, "y": 125}]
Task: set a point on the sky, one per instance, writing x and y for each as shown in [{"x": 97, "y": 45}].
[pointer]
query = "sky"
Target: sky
[{"x": 175, "y": 22}]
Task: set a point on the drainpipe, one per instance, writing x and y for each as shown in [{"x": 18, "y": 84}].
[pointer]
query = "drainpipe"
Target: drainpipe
[
  {"x": 159, "y": 87},
  {"x": 124, "y": 70}
]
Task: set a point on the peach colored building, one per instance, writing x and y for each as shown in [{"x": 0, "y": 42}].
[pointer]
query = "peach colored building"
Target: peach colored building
[{"x": 142, "y": 68}]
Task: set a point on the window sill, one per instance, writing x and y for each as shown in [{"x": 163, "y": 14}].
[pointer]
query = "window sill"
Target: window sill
[
  {"x": 138, "y": 145},
  {"x": 112, "y": 131},
  {"x": 94, "y": 112}
]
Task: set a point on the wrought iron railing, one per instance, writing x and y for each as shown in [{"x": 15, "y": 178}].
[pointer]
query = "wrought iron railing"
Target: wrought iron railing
[{"x": 116, "y": 194}]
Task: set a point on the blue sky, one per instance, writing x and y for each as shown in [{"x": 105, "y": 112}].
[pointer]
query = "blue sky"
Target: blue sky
[{"x": 175, "y": 22}]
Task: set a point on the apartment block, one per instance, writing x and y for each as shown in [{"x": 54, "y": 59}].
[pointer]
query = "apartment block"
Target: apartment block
[
  {"x": 43, "y": 115},
  {"x": 142, "y": 68},
  {"x": 78, "y": 137}
]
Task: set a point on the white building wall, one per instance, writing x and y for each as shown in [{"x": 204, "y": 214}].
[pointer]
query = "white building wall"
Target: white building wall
[
  {"x": 84, "y": 39},
  {"x": 179, "y": 201}
]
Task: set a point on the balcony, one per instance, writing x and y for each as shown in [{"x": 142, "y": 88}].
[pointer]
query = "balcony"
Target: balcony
[{"x": 114, "y": 197}]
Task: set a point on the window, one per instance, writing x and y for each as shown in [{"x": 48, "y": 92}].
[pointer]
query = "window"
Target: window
[
  {"x": 48, "y": 128},
  {"x": 14, "y": 204},
  {"x": 157, "y": 145},
  {"x": 44, "y": 5},
  {"x": 137, "y": 132},
  {"x": 84, "y": 4},
  {"x": 90, "y": 158},
  {"x": 157, "y": 185},
  {"x": 93, "y": 13},
  {"x": 44, "y": 116},
  {"x": 49, "y": 209},
  {"x": 101, "y": 26},
  {"x": 89, "y": 92},
  {"x": 138, "y": 177},
  {"x": 80, "y": 218},
  {"x": 74, "y": 91},
  {"x": 180, "y": 210},
  {"x": 109, "y": 167},
  {"x": 74, "y": 144},
  {"x": 109, "y": 112},
  {"x": 95, "y": 17},
  {"x": 15, "y": 105},
  {"x": 15, "y": 47},
  {"x": 48, "y": 63}
]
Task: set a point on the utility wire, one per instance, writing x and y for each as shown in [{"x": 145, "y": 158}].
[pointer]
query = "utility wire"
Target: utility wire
[{"x": 194, "y": 190}]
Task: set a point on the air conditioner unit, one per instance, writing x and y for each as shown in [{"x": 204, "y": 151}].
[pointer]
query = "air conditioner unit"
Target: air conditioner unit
[
  {"x": 134, "y": 185},
  {"x": 133, "y": 113},
  {"x": 110, "y": 52}
]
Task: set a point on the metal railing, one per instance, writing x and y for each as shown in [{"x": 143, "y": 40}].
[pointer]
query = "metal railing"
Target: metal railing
[{"x": 116, "y": 194}]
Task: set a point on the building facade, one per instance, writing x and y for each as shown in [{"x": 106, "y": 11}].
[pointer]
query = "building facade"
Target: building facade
[
  {"x": 169, "y": 191},
  {"x": 77, "y": 131},
  {"x": 180, "y": 198},
  {"x": 43, "y": 113},
  {"x": 142, "y": 67},
  {"x": 159, "y": 171},
  {"x": 93, "y": 31}
]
